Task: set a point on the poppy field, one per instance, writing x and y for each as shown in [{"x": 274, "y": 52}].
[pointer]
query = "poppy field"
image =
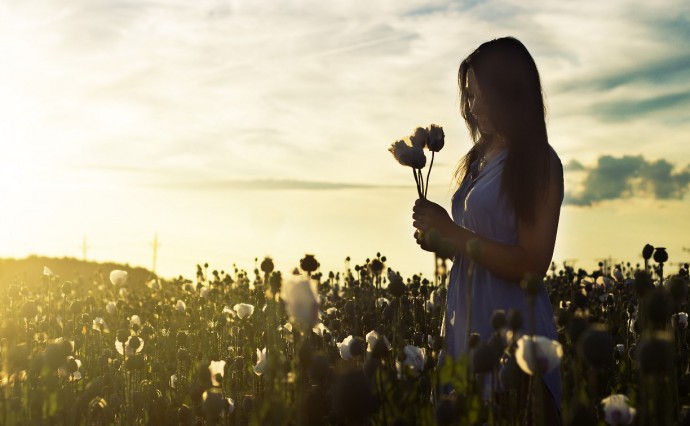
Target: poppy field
[{"x": 358, "y": 346}]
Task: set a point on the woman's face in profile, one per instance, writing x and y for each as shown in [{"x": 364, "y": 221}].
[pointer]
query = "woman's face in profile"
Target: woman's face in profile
[{"x": 477, "y": 104}]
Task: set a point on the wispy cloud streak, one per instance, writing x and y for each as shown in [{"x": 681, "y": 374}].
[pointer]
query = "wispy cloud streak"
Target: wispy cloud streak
[{"x": 271, "y": 185}]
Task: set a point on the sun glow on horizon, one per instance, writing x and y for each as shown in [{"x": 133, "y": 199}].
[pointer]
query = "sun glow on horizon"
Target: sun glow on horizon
[{"x": 122, "y": 120}]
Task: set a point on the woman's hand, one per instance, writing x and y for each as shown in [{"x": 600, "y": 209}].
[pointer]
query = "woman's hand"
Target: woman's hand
[
  {"x": 428, "y": 215},
  {"x": 422, "y": 241}
]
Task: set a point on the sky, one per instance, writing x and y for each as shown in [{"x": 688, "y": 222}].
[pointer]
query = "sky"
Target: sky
[{"x": 234, "y": 129}]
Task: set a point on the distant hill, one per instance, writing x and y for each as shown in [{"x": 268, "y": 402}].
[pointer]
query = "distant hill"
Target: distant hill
[{"x": 29, "y": 271}]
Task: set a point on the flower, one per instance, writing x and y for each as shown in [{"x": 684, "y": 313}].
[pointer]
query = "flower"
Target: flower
[
  {"x": 118, "y": 277},
  {"x": 372, "y": 337},
  {"x": 603, "y": 281},
  {"x": 415, "y": 359},
  {"x": 344, "y": 348},
  {"x": 436, "y": 138},
  {"x": 217, "y": 368},
  {"x": 301, "y": 300},
  {"x": 434, "y": 301},
  {"x": 408, "y": 155},
  {"x": 681, "y": 318},
  {"x": 173, "y": 381},
  {"x": 548, "y": 354},
  {"x": 47, "y": 272},
  {"x": 420, "y": 138},
  {"x": 261, "y": 362},
  {"x": 620, "y": 349},
  {"x": 382, "y": 302},
  {"x": 111, "y": 307},
  {"x": 70, "y": 370},
  {"x": 319, "y": 329},
  {"x": 135, "y": 320},
  {"x": 180, "y": 306},
  {"x": 132, "y": 346},
  {"x": 99, "y": 324},
  {"x": 617, "y": 411},
  {"x": 243, "y": 310},
  {"x": 153, "y": 284},
  {"x": 203, "y": 292}
]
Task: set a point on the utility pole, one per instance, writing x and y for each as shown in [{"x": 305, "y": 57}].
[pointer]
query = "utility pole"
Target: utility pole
[
  {"x": 155, "y": 251},
  {"x": 83, "y": 249}
]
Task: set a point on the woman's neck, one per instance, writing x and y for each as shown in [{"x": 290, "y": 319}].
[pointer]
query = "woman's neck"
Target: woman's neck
[{"x": 494, "y": 145}]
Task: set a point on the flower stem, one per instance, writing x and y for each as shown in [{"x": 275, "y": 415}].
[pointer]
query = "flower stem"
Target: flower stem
[
  {"x": 416, "y": 179},
  {"x": 429, "y": 173},
  {"x": 421, "y": 182}
]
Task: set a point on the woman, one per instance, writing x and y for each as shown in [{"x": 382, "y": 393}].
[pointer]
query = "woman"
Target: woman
[{"x": 507, "y": 203}]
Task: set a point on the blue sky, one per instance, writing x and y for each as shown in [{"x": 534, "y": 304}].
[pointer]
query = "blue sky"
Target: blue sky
[{"x": 239, "y": 129}]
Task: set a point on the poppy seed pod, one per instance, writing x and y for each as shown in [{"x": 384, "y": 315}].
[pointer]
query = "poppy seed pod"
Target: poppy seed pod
[
  {"x": 660, "y": 255},
  {"x": 380, "y": 348},
  {"x": 647, "y": 251},
  {"x": 357, "y": 346},
  {"x": 309, "y": 263},
  {"x": 122, "y": 335},
  {"x": 267, "y": 265},
  {"x": 596, "y": 346},
  {"x": 134, "y": 343},
  {"x": 376, "y": 266}
]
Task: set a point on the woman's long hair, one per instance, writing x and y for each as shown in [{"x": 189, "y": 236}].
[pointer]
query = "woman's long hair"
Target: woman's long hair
[{"x": 509, "y": 82}]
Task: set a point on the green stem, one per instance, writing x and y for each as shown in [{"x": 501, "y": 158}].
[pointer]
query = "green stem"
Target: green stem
[
  {"x": 428, "y": 173},
  {"x": 416, "y": 179}
]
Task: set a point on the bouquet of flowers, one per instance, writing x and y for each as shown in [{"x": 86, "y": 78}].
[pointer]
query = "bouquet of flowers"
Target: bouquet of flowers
[{"x": 412, "y": 154}]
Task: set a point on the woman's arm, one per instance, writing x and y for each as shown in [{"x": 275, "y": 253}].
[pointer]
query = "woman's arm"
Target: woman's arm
[{"x": 534, "y": 249}]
